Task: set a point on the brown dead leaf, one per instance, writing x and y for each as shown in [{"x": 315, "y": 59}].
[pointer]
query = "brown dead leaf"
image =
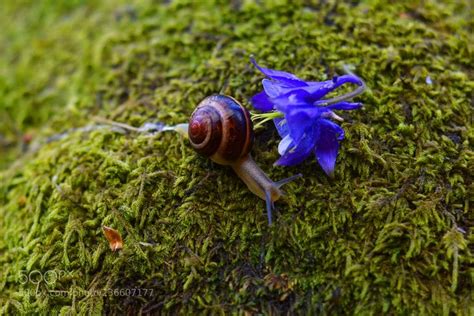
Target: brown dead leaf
[{"x": 113, "y": 237}]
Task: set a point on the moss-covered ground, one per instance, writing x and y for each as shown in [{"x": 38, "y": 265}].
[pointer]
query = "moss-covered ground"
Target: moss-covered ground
[{"x": 391, "y": 233}]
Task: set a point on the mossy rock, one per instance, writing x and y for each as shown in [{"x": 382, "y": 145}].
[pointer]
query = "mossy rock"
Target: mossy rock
[{"x": 390, "y": 233}]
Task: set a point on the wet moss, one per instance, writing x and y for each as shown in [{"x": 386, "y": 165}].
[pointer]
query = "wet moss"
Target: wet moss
[{"x": 392, "y": 232}]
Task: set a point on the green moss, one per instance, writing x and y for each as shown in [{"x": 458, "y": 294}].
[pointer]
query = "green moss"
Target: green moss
[{"x": 392, "y": 232}]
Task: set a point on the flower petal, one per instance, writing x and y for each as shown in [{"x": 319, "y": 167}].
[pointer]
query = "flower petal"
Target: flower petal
[
  {"x": 300, "y": 152},
  {"x": 284, "y": 145},
  {"x": 294, "y": 99},
  {"x": 285, "y": 77},
  {"x": 261, "y": 102},
  {"x": 278, "y": 90},
  {"x": 272, "y": 89},
  {"x": 320, "y": 89},
  {"x": 327, "y": 145},
  {"x": 311, "y": 93},
  {"x": 303, "y": 118},
  {"x": 281, "y": 126},
  {"x": 340, "y": 80},
  {"x": 344, "y": 105},
  {"x": 299, "y": 120}
]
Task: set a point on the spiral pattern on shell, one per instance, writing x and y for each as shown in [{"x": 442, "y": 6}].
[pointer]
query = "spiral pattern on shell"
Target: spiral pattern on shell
[{"x": 221, "y": 129}]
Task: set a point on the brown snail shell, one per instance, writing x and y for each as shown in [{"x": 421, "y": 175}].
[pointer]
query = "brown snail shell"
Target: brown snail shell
[{"x": 221, "y": 129}]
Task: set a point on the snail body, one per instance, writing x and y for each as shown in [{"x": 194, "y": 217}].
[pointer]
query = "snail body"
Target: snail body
[{"x": 220, "y": 128}]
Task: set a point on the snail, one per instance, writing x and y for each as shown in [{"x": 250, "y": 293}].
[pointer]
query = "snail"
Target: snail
[{"x": 220, "y": 128}]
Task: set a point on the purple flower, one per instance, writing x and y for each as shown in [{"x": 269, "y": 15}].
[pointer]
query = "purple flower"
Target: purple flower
[{"x": 305, "y": 127}]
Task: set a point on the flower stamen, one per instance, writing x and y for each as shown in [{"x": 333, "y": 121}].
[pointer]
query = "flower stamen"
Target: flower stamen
[{"x": 261, "y": 118}]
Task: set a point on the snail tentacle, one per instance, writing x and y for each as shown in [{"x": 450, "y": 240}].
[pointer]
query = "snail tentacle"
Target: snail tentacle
[
  {"x": 269, "y": 204},
  {"x": 282, "y": 182}
]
